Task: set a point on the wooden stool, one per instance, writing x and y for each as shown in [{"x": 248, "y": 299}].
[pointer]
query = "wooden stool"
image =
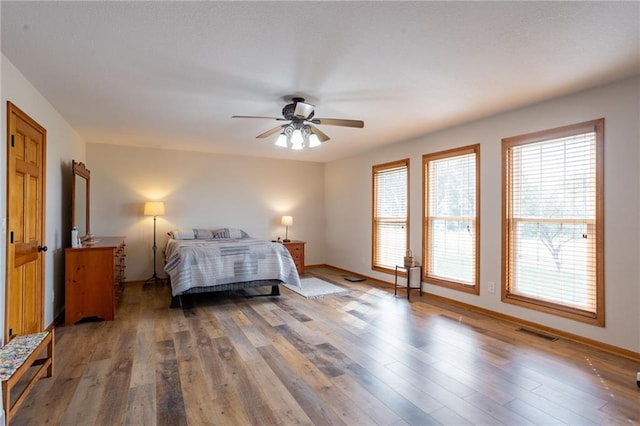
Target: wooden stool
[{"x": 409, "y": 269}]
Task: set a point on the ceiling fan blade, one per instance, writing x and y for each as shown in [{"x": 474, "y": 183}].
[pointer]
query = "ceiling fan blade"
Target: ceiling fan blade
[
  {"x": 321, "y": 136},
  {"x": 271, "y": 132},
  {"x": 339, "y": 122},
  {"x": 259, "y": 116}
]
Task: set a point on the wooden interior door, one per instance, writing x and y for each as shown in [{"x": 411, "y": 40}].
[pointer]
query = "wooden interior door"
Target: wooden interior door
[{"x": 26, "y": 154}]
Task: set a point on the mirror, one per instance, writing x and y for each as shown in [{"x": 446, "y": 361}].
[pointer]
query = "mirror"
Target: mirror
[{"x": 80, "y": 197}]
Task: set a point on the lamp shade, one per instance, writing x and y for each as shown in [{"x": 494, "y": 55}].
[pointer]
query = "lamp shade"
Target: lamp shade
[
  {"x": 153, "y": 208},
  {"x": 287, "y": 220}
]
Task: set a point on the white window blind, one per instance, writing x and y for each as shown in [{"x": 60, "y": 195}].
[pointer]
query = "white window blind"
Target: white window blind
[
  {"x": 552, "y": 221},
  {"x": 390, "y": 220},
  {"x": 451, "y": 221}
]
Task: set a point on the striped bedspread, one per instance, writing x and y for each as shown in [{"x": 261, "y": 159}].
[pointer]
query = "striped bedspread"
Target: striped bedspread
[{"x": 207, "y": 263}]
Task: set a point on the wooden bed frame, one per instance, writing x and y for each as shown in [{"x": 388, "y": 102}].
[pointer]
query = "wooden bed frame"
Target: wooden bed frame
[{"x": 176, "y": 301}]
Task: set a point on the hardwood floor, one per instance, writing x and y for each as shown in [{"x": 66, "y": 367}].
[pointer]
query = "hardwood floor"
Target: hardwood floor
[{"x": 361, "y": 358}]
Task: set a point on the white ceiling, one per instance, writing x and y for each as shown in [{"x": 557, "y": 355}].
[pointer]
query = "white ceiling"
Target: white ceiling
[{"x": 171, "y": 74}]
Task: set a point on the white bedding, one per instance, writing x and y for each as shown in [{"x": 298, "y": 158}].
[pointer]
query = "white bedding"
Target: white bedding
[{"x": 207, "y": 263}]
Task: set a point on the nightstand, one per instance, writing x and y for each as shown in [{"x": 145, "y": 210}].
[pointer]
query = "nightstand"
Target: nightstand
[{"x": 296, "y": 248}]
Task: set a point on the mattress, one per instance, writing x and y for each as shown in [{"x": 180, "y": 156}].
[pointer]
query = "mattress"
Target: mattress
[{"x": 216, "y": 263}]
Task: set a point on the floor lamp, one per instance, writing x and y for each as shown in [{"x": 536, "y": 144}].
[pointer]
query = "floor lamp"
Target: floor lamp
[{"x": 154, "y": 208}]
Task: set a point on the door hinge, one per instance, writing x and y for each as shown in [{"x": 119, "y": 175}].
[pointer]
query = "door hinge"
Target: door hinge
[
  {"x": 11, "y": 237},
  {"x": 13, "y": 142},
  {"x": 10, "y": 332}
]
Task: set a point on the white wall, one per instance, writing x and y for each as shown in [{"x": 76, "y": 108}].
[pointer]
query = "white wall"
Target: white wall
[
  {"x": 202, "y": 190},
  {"x": 348, "y": 195},
  {"x": 63, "y": 145}
]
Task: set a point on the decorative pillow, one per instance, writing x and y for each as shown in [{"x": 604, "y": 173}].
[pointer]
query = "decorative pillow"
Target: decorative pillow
[
  {"x": 220, "y": 234},
  {"x": 226, "y": 233},
  {"x": 203, "y": 234},
  {"x": 237, "y": 233},
  {"x": 182, "y": 234}
]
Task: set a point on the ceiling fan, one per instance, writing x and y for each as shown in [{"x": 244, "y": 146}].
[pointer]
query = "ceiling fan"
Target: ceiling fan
[{"x": 301, "y": 131}]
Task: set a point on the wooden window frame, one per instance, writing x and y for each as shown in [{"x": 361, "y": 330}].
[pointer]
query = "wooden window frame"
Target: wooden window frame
[
  {"x": 374, "y": 220},
  {"x": 426, "y": 235},
  {"x": 595, "y": 318}
]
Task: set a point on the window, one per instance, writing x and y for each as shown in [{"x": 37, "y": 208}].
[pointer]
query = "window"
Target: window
[
  {"x": 552, "y": 225},
  {"x": 451, "y": 222},
  {"x": 390, "y": 215}
]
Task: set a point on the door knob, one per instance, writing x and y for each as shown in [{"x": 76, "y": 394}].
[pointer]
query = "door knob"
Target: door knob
[{"x": 42, "y": 248}]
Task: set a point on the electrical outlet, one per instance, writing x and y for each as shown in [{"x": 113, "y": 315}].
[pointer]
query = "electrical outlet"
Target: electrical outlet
[{"x": 491, "y": 287}]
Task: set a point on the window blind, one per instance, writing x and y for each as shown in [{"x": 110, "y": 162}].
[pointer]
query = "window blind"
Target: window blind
[
  {"x": 451, "y": 216},
  {"x": 552, "y": 221},
  {"x": 390, "y": 214}
]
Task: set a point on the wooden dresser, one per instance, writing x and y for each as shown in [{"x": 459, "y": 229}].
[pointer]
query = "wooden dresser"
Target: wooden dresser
[
  {"x": 94, "y": 279},
  {"x": 296, "y": 248}
]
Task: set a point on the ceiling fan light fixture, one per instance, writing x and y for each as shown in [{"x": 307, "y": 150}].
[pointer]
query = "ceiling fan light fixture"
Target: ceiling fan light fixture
[
  {"x": 282, "y": 140},
  {"x": 296, "y": 137},
  {"x": 299, "y": 133},
  {"x": 313, "y": 141}
]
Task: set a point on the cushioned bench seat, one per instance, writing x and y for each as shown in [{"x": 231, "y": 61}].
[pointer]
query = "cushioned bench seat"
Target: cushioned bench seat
[{"x": 16, "y": 357}]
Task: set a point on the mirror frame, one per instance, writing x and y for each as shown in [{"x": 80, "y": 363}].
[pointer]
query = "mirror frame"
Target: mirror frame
[{"x": 81, "y": 171}]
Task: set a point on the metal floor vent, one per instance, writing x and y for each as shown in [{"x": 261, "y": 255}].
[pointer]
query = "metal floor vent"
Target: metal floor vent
[{"x": 538, "y": 334}]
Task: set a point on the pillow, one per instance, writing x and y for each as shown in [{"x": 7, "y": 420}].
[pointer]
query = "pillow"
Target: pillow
[
  {"x": 220, "y": 234},
  {"x": 182, "y": 234},
  {"x": 203, "y": 234},
  {"x": 237, "y": 233},
  {"x": 226, "y": 233}
]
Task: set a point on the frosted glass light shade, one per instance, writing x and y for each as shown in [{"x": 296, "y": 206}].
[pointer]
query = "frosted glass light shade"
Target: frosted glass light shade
[
  {"x": 296, "y": 137},
  {"x": 314, "y": 141},
  {"x": 154, "y": 208},
  {"x": 282, "y": 140}
]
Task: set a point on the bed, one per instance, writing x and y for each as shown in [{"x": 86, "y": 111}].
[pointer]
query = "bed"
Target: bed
[{"x": 226, "y": 259}]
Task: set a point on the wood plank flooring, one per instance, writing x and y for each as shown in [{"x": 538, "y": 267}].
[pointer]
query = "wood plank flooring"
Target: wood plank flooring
[{"x": 361, "y": 358}]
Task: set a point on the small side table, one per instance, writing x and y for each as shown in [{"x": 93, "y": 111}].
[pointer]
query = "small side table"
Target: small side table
[
  {"x": 409, "y": 270},
  {"x": 296, "y": 248}
]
